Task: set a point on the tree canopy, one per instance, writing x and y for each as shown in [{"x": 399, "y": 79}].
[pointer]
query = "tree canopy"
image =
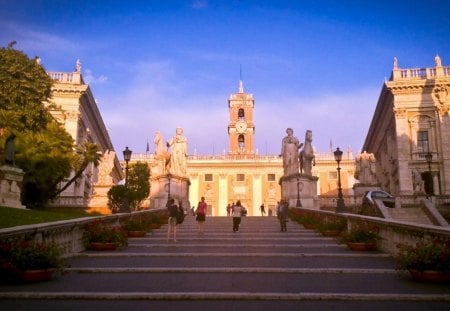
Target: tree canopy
[{"x": 44, "y": 149}]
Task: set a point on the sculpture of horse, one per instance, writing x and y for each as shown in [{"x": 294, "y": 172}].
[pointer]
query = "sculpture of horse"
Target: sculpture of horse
[
  {"x": 306, "y": 156},
  {"x": 161, "y": 152}
]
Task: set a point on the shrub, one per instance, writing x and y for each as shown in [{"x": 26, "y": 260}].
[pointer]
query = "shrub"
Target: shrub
[{"x": 424, "y": 256}]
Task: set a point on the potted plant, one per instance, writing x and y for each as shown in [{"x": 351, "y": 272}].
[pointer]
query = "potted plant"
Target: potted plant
[
  {"x": 136, "y": 227},
  {"x": 361, "y": 239},
  {"x": 101, "y": 236},
  {"x": 426, "y": 261},
  {"x": 332, "y": 228},
  {"x": 30, "y": 261},
  {"x": 309, "y": 222},
  {"x": 158, "y": 219}
]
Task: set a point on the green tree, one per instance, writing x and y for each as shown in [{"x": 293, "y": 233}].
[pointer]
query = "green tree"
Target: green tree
[
  {"x": 117, "y": 198},
  {"x": 24, "y": 87},
  {"x": 138, "y": 184},
  {"x": 44, "y": 150}
]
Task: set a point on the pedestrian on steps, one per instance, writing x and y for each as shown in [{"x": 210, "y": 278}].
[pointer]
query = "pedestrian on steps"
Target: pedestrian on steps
[
  {"x": 172, "y": 222},
  {"x": 282, "y": 213},
  {"x": 201, "y": 215},
  {"x": 236, "y": 213}
]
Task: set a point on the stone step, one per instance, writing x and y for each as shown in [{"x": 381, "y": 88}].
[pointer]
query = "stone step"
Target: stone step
[
  {"x": 415, "y": 215},
  {"x": 258, "y": 265}
]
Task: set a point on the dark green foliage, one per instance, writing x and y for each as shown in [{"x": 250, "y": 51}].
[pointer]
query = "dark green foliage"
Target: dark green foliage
[
  {"x": 138, "y": 184},
  {"x": 44, "y": 150},
  {"x": 24, "y": 86},
  {"x": 117, "y": 197}
]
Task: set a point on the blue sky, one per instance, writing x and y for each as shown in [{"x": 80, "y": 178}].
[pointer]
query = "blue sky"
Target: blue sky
[{"x": 156, "y": 65}]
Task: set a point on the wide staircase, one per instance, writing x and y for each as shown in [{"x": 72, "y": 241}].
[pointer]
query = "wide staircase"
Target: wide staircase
[
  {"x": 411, "y": 214},
  {"x": 257, "y": 268}
]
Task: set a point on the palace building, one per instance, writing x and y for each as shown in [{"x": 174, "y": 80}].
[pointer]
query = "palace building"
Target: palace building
[
  {"x": 77, "y": 111},
  {"x": 410, "y": 131},
  {"x": 244, "y": 175},
  {"x": 241, "y": 174}
]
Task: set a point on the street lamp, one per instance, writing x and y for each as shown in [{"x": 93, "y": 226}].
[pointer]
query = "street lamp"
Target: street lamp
[
  {"x": 299, "y": 204},
  {"x": 169, "y": 176},
  {"x": 126, "y": 156},
  {"x": 340, "y": 201}
]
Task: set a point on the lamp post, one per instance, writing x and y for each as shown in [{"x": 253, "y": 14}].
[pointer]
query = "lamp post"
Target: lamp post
[
  {"x": 299, "y": 204},
  {"x": 126, "y": 156},
  {"x": 340, "y": 201},
  {"x": 429, "y": 158},
  {"x": 169, "y": 176}
]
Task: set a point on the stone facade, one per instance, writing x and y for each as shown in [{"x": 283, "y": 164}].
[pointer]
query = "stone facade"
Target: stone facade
[
  {"x": 77, "y": 111},
  {"x": 410, "y": 130}
]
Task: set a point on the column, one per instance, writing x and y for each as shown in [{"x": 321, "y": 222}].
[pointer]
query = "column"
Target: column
[
  {"x": 223, "y": 194},
  {"x": 257, "y": 195}
]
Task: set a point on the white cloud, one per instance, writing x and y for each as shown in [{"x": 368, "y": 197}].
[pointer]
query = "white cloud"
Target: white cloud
[
  {"x": 199, "y": 4},
  {"x": 89, "y": 78}
]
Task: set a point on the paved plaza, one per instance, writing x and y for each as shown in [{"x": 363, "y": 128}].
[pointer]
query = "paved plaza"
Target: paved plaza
[{"x": 257, "y": 268}]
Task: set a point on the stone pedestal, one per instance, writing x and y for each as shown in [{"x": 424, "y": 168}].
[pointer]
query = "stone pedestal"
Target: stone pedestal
[
  {"x": 99, "y": 200},
  {"x": 10, "y": 179},
  {"x": 179, "y": 191},
  {"x": 300, "y": 185}
]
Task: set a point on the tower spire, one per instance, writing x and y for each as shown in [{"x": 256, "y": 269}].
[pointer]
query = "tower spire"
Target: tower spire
[{"x": 241, "y": 84}]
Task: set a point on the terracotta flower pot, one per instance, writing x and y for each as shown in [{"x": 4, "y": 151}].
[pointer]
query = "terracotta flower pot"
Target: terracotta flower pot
[
  {"x": 136, "y": 234},
  {"x": 330, "y": 233},
  {"x": 36, "y": 275},
  {"x": 310, "y": 226},
  {"x": 100, "y": 246},
  {"x": 431, "y": 276},
  {"x": 364, "y": 246}
]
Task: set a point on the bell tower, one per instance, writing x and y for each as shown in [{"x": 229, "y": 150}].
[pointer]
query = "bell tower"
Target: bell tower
[{"x": 241, "y": 129}]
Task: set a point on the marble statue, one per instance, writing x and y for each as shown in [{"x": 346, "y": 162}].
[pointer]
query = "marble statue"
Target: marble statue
[
  {"x": 105, "y": 168},
  {"x": 306, "y": 157},
  {"x": 366, "y": 168},
  {"x": 418, "y": 184},
  {"x": 178, "y": 154},
  {"x": 289, "y": 151},
  {"x": 161, "y": 152},
  {"x": 10, "y": 150}
]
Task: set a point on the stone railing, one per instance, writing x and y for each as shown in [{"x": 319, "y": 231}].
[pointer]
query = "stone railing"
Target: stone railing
[
  {"x": 67, "y": 234},
  {"x": 419, "y": 73},
  {"x": 66, "y": 77},
  {"x": 392, "y": 233}
]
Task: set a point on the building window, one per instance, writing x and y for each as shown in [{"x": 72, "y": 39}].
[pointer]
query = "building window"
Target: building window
[
  {"x": 208, "y": 177},
  {"x": 241, "y": 114},
  {"x": 332, "y": 175},
  {"x": 422, "y": 142},
  {"x": 270, "y": 177},
  {"x": 241, "y": 142},
  {"x": 240, "y": 177}
]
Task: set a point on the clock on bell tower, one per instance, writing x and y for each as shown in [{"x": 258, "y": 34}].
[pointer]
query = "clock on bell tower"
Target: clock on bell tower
[{"x": 241, "y": 129}]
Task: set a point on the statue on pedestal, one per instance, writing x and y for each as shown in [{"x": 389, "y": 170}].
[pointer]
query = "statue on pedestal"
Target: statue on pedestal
[
  {"x": 105, "y": 168},
  {"x": 178, "y": 155},
  {"x": 366, "y": 168},
  {"x": 418, "y": 185},
  {"x": 307, "y": 155},
  {"x": 289, "y": 151},
  {"x": 161, "y": 152}
]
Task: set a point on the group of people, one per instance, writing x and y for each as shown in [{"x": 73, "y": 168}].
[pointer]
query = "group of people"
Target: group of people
[{"x": 235, "y": 210}]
